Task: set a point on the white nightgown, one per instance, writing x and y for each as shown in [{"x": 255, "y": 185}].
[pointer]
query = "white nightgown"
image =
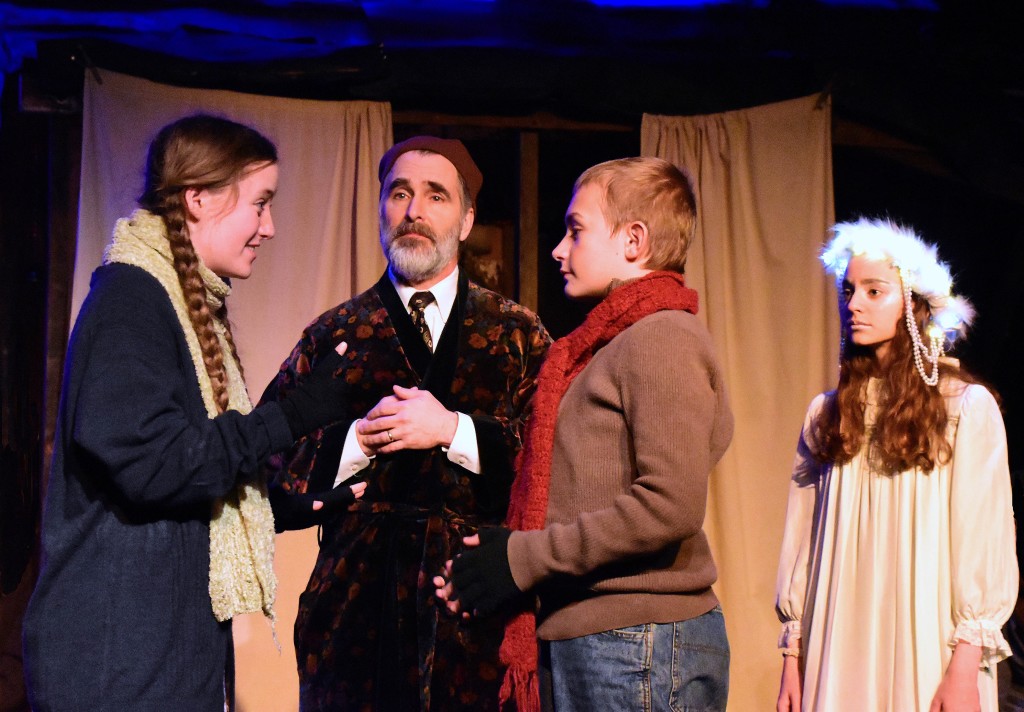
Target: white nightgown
[{"x": 880, "y": 575}]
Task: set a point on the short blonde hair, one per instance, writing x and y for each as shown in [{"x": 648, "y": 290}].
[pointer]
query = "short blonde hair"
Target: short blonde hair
[{"x": 654, "y": 192}]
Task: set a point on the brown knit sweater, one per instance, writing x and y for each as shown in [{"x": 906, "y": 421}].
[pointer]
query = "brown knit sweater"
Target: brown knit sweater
[{"x": 637, "y": 434}]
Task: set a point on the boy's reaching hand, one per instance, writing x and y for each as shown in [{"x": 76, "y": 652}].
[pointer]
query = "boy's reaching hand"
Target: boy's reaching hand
[{"x": 481, "y": 579}]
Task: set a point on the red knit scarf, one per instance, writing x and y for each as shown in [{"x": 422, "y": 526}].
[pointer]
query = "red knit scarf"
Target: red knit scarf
[{"x": 567, "y": 357}]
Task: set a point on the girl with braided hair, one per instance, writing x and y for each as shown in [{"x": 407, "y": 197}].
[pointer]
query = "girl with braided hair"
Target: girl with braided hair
[
  {"x": 157, "y": 529},
  {"x": 897, "y": 568}
]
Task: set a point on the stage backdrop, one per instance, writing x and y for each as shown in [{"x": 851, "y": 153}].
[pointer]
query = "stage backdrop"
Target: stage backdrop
[
  {"x": 764, "y": 189},
  {"x": 764, "y": 185},
  {"x": 326, "y": 249}
]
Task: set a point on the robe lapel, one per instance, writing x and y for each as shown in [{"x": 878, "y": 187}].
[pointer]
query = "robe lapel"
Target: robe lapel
[
  {"x": 436, "y": 369},
  {"x": 439, "y": 375},
  {"x": 416, "y": 351}
]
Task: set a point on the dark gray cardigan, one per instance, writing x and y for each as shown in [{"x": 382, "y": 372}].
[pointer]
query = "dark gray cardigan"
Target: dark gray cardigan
[{"x": 121, "y": 617}]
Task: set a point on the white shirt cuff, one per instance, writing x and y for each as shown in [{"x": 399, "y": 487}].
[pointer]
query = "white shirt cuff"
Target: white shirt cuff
[
  {"x": 464, "y": 450},
  {"x": 353, "y": 459}
]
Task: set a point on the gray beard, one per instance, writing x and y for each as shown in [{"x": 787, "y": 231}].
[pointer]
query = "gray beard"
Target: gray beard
[{"x": 415, "y": 261}]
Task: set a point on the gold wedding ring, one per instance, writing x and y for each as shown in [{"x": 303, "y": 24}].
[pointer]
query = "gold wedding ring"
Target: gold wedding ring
[{"x": 390, "y": 439}]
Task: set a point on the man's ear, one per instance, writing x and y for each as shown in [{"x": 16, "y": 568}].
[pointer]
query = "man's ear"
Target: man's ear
[
  {"x": 637, "y": 240},
  {"x": 467, "y": 224}
]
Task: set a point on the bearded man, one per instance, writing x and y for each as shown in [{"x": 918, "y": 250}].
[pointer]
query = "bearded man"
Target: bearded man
[{"x": 440, "y": 375}]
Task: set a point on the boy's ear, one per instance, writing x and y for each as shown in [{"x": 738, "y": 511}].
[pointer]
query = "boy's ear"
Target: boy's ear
[{"x": 637, "y": 241}]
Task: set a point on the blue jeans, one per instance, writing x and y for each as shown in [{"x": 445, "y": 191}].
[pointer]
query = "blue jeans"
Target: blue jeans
[{"x": 661, "y": 667}]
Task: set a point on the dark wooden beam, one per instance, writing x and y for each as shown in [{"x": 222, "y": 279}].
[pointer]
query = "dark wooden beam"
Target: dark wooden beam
[
  {"x": 529, "y": 221},
  {"x": 541, "y": 121}
]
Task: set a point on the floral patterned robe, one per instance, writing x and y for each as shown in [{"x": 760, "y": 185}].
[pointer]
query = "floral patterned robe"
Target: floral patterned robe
[{"x": 369, "y": 633}]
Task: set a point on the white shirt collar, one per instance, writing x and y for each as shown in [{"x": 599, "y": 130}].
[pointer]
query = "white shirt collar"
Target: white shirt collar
[{"x": 444, "y": 292}]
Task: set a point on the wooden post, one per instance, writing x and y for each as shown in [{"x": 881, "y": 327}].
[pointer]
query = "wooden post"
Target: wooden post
[{"x": 529, "y": 166}]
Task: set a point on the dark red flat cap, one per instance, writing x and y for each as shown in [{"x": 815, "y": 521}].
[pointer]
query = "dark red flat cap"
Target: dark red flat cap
[{"x": 450, "y": 148}]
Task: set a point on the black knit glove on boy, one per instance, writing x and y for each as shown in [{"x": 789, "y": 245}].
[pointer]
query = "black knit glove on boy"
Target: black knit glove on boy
[{"x": 482, "y": 575}]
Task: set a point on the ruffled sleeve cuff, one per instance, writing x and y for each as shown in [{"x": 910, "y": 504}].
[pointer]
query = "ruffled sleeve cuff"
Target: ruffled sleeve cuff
[
  {"x": 790, "y": 635},
  {"x": 986, "y": 635}
]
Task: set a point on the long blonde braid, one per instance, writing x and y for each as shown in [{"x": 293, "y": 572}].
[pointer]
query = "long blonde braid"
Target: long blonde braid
[
  {"x": 186, "y": 264},
  {"x": 222, "y": 317}
]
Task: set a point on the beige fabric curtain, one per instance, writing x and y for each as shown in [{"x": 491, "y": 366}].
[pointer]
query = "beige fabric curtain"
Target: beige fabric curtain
[
  {"x": 764, "y": 189},
  {"x": 326, "y": 249}
]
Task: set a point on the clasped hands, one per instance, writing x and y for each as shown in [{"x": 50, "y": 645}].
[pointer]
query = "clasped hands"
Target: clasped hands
[
  {"x": 410, "y": 419},
  {"x": 479, "y": 580}
]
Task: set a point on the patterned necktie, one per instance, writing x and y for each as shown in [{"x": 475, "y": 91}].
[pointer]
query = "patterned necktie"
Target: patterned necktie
[{"x": 416, "y": 305}]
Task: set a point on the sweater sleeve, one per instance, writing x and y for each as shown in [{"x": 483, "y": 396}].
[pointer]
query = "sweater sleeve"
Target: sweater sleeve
[
  {"x": 983, "y": 562},
  {"x": 136, "y": 404},
  {"x": 795, "y": 557},
  {"x": 678, "y": 423}
]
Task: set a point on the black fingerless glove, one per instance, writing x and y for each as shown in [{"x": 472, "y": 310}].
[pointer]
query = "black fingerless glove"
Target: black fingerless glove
[
  {"x": 295, "y": 511},
  {"x": 319, "y": 400},
  {"x": 482, "y": 576}
]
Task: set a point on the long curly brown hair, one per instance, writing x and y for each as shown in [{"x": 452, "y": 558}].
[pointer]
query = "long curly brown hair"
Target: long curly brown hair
[
  {"x": 200, "y": 152},
  {"x": 910, "y": 426}
]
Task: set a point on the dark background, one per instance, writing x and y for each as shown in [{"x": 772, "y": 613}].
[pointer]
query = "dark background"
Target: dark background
[{"x": 928, "y": 109}]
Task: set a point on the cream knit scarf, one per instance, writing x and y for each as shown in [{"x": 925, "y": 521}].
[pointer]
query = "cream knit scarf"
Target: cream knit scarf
[{"x": 242, "y": 526}]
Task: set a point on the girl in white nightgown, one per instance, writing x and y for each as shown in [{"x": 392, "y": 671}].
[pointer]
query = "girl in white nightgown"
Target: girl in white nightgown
[{"x": 898, "y": 566}]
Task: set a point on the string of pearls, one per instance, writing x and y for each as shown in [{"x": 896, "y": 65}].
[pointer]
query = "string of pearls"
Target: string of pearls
[{"x": 922, "y": 353}]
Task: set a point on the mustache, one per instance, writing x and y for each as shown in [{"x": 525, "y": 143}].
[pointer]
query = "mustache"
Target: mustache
[{"x": 416, "y": 227}]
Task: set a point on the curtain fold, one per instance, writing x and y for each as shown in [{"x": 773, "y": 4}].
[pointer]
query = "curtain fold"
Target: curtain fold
[
  {"x": 763, "y": 178},
  {"x": 326, "y": 249}
]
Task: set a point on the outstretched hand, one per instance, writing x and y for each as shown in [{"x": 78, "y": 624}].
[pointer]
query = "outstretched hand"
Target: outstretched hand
[
  {"x": 410, "y": 419},
  {"x": 445, "y": 589},
  {"x": 480, "y": 578},
  {"x": 299, "y": 511},
  {"x": 320, "y": 399}
]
